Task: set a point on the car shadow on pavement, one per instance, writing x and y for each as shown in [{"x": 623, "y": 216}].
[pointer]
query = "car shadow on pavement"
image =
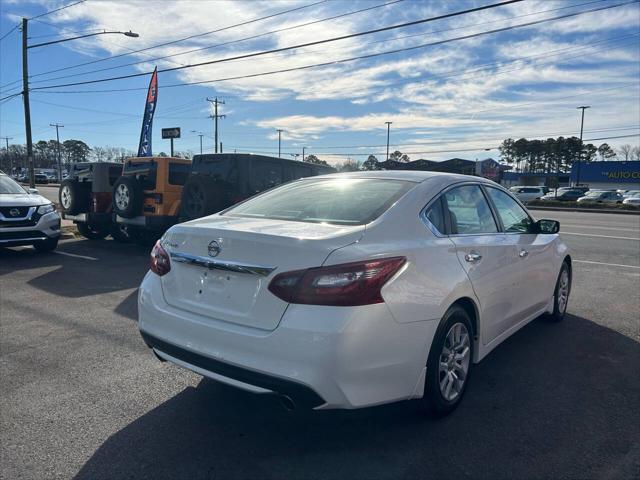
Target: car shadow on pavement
[
  {"x": 555, "y": 400},
  {"x": 85, "y": 267}
]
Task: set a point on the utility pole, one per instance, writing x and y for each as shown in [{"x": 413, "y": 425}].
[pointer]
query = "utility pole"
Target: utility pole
[
  {"x": 57, "y": 125},
  {"x": 27, "y": 108},
  {"x": 303, "y": 148},
  {"x": 10, "y": 162},
  {"x": 215, "y": 117},
  {"x": 279, "y": 141},
  {"x": 388, "y": 129},
  {"x": 583, "y": 108}
]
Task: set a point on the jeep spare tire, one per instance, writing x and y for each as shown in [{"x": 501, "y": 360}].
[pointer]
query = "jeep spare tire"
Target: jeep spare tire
[
  {"x": 73, "y": 197},
  {"x": 127, "y": 197},
  {"x": 201, "y": 197}
]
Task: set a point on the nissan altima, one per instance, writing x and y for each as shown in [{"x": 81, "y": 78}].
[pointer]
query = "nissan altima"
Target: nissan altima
[{"x": 352, "y": 290}]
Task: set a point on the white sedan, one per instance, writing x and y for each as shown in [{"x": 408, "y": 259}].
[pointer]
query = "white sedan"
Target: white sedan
[{"x": 351, "y": 290}]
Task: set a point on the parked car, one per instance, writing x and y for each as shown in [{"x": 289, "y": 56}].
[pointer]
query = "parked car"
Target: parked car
[
  {"x": 219, "y": 181},
  {"x": 631, "y": 193},
  {"x": 601, "y": 196},
  {"x": 354, "y": 289},
  {"x": 85, "y": 197},
  {"x": 526, "y": 194},
  {"x": 634, "y": 200},
  {"x": 563, "y": 196},
  {"x": 146, "y": 198},
  {"x": 26, "y": 218},
  {"x": 40, "y": 178}
]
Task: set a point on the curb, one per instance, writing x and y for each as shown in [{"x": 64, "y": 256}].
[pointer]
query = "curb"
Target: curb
[{"x": 586, "y": 210}]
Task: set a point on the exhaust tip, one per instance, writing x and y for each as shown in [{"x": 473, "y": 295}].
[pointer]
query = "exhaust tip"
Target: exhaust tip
[{"x": 287, "y": 403}]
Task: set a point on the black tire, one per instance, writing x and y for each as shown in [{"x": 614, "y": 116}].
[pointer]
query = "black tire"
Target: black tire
[
  {"x": 46, "y": 245},
  {"x": 74, "y": 196},
  {"x": 200, "y": 198},
  {"x": 127, "y": 197},
  {"x": 435, "y": 400},
  {"x": 120, "y": 233},
  {"x": 92, "y": 232},
  {"x": 559, "y": 307}
]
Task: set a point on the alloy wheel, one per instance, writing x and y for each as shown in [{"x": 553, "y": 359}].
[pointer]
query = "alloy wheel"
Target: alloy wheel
[
  {"x": 65, "y": 197},
  {"x": 563, "y": 291},
  {"x": 454, "y": 361},
  {"x": 122, "y": 197}
]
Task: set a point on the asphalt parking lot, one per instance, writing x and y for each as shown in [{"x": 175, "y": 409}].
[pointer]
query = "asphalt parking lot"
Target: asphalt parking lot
[{"x": 83, "y": 397}]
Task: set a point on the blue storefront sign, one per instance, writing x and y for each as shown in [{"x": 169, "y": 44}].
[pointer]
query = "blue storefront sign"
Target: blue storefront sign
[{"x": 607, "y": 172}]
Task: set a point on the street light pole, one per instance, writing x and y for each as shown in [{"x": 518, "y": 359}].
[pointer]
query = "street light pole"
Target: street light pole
[
  {"x": 25, "y": 97},
  {"x": 279, "y": 141},
  {"x": 57, "y": 125},
  {"x": 200, "y": 134},
  {"x": 25, "y": 85},
  {"x": 583, "y": 108},
  {"x": 303, "y": 149},
  {"x": 388, "y": 130}
]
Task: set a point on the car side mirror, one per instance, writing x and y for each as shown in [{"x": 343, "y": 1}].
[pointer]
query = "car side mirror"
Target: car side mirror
[
  {"x": 547, "y": 226},
  {"x": 33, "y": 191}
]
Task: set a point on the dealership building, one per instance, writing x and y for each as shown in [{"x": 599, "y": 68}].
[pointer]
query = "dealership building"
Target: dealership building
[{"x": 605, "y": 175}]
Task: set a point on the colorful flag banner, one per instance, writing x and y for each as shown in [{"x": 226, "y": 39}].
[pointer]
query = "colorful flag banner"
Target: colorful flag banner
[{"x": 144, "y": 149}]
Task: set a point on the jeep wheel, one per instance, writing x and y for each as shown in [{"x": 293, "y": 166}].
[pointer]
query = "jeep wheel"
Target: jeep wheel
[
  {"x": 127, "y": 197},
  {"x": 92, "y": 232},
  {"x": 73, "y": 197}
]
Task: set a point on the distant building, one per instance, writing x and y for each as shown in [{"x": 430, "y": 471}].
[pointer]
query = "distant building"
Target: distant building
[
  {"x": 607, "y": 175},
  {"x": 488, "y": 168}
]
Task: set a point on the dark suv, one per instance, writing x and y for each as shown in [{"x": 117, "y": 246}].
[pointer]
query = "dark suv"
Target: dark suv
[
  {"x": 85, "y": 197},
  {"x": 218, "y": 181}
]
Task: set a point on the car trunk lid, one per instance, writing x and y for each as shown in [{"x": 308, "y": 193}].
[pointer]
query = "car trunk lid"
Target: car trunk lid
[{"x": 221, "y": 266}]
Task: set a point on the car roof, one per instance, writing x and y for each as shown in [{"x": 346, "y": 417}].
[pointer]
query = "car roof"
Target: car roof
[{"x": 416, "y": 176}]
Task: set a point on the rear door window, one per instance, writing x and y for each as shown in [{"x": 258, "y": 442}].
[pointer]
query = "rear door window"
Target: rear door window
[
  {"x": 146, "y": 172},
  {"x": 469, "y": 211},
  {"x": 435, "y": 215}
]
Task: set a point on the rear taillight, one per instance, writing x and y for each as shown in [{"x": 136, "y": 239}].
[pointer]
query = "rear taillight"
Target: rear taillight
[
  {"x": 160, "y": 262},
  {"x": 344, "y": 285}
]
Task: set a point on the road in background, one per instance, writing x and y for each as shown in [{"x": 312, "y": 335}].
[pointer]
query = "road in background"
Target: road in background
[
  {"x": 81, "y": 394},
  {"x": 48, "y": 192}
]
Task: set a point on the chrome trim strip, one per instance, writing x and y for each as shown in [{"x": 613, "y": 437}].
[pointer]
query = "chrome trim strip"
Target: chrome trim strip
[
  {"x": 30, "y": 212},
  {"x": 227, "y": 266},
  {"x": 32, "y": 239}
]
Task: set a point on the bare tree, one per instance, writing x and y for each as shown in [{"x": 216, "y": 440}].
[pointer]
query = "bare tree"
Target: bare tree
[
  {"x": 625, "y": 152},
  {"x": 635, "y": 153}
]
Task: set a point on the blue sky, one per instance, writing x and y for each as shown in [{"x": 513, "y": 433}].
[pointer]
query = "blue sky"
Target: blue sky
[{"x": 454, "y": 99}]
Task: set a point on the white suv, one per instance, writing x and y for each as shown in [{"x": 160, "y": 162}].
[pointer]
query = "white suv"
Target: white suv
[
  {"x": 526, "y": 194},
  {"x": 26, "y": 218}
]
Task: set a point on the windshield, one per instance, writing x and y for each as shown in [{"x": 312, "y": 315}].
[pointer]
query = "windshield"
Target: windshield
[
  {"x": 9, "y": 186},
  {"x": 348, "y": 201},
  {"x": 594, "y": 194}
]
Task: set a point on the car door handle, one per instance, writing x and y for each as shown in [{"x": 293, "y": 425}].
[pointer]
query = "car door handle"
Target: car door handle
[
  {"x": 523, "y": 253},
  {"x": 472, "y": 257}
]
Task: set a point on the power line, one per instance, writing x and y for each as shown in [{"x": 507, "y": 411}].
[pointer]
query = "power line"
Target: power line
[
  {"x": 186, "y": 38},
  {"x": 252, "y": 37},
  {"x": 448, "y": 74},
  {"x": 303, "y": 25},
  {"x": 293, "y": 47},
  {"x": 57, "y": 9},
  {"x": 9, "y": 32},
  {"x": 334, "y": 62}
]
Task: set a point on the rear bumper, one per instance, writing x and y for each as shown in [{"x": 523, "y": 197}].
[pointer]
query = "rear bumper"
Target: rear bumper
[
  {"x": 151, "y": 222},
  {"x": 90, "y": 218},
  {"x": 321, "y": 357},
  {"x": 47, "y": 227}
]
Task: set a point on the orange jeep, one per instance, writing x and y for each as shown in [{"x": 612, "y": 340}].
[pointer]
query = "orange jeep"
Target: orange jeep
[{"x": 146, "y": 198}]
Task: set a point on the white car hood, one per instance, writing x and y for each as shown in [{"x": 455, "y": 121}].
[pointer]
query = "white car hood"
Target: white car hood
[{"x": 22, "y": 200}]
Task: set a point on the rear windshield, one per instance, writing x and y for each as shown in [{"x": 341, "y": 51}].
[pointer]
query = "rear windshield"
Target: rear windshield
[{"x": 349, "y": 201}]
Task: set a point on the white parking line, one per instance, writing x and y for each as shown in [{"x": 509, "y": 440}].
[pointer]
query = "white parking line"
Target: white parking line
[
  {"x": 599, "y": 236},
  {"x": 84, "y": 257},
  {"x": 608, "y": 264}
]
